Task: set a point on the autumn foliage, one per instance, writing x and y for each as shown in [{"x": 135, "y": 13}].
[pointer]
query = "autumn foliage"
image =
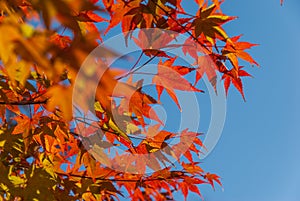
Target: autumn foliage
[{"x": 44, "y": 155}]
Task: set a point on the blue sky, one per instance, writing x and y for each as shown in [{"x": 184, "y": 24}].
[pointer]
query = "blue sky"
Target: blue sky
[{"x": 258, "y": 153}]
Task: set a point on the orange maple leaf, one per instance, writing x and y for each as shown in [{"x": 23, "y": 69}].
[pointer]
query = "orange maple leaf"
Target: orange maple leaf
[
  {"x": 234, "y": 50},
  {"x": 211, "y": 178},
  {"x": 233, "y": 76},
  {"x": 60, "y": 96},
  {"x": 169, "y": 79}
]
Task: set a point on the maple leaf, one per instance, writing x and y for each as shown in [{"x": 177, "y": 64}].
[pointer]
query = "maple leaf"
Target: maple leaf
[
  {"x": 192, "y": 168},
  {"x": 233, "y": 76},
  {"x": 118, "y": 11},
  {"x": 108, "y": 4},
  {"x": 209, "y": 24},
  {"x": 60, "y": 96},
  {"x": 184, "y": 189},
  {"x": 24, "y": 122},
  {"x": 196, "y": 190},
  {"x": 61, "y": 41},
  {"x": 114, "y": 127},
  {"x": 156, "y": 138},
  {"x": 153, "y": 42},
  {"x": 179, "y": 26},
  {"x": 25, "y": 126},
  {"x": 217, "y": 3},
  {"x": 208, "y": 67},
  {"x": 6, "y": 41},
  {"x": 89, "y": 16},
  {"x": 190, "y": 47},
  {"x": 140, "y": 104},
  {"x": 235, "y": 49},
  {"x": 211, "y": 178},
  {"x": 137, "y": 17},
  {"x": 169, "y": 79},
  {"x": 199, "y": 2},
  {"x": 183, "y": 70}
]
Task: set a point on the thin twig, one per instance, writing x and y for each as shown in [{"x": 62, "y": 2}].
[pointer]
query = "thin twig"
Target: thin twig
[
  {"x": 24, "y": 103},
  {"x": 138, "y": 68},
  {"x": 137, "y": 61}
]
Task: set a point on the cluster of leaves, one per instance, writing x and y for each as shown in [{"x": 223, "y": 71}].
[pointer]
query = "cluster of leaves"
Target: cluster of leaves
[{"x": 42, "y": 46}]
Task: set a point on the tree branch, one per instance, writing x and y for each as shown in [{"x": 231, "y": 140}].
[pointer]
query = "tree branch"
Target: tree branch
[
  {"x": 118, "y": 180},
  {"x": 24, "y": 103}
]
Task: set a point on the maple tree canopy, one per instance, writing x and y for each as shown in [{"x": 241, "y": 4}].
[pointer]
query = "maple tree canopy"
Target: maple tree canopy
[{"x": 63, "y": 116}]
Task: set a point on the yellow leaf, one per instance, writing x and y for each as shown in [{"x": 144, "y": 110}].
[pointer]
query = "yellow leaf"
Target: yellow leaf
[
  {"x": 18, "y": 71},
  {"x": 98, "y": 107},
  {"x": 8, "y": 34},
  {"x": 48, "y": 167},
  {"x": 27, "y": 30},
  {"x": 113, "y": 126},
  {"x": 88, "y": 197},
  {"x": 60, "y": 96},
  {"x": 132, "y": 128},
  {"x": 15, "y": 179}
]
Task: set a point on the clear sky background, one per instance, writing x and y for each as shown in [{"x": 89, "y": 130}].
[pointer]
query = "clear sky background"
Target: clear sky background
[{"x": 258, "y": 155}]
